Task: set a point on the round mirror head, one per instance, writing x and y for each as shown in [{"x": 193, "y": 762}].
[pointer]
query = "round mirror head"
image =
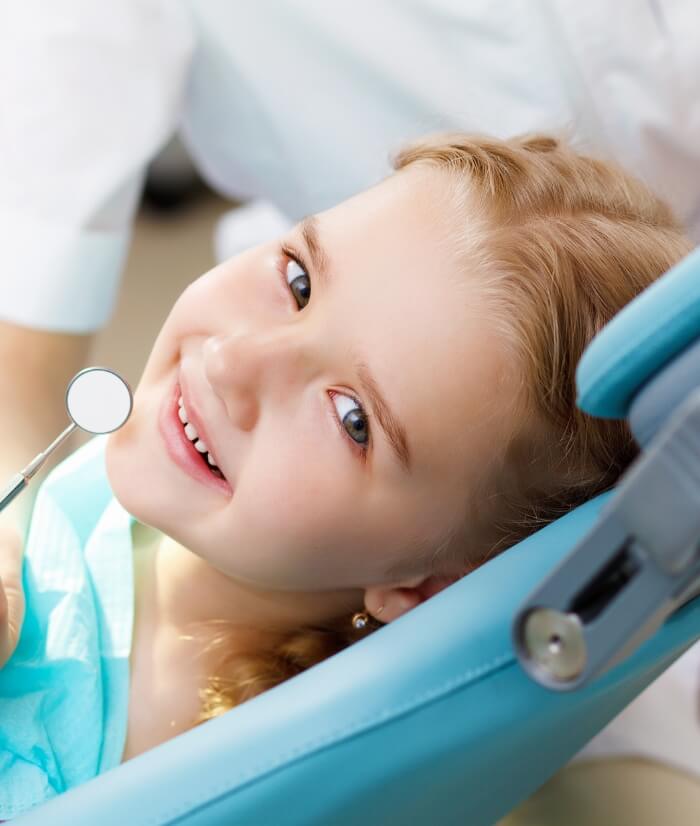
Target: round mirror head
[{"x": 98, "y": 400}]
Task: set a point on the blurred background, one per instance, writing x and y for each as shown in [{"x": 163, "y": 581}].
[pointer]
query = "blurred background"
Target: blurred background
[{"x": 173, "y": 244}]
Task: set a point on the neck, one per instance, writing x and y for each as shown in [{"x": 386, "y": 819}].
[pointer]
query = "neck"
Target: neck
[{"x": 187, "y": 590}]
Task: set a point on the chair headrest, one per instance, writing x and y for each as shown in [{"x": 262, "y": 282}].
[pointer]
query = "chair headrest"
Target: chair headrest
[{"x": 643, "y": 337}]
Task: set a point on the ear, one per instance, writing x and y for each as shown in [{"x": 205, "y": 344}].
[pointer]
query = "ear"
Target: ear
[{"x": 400, "y": 598}]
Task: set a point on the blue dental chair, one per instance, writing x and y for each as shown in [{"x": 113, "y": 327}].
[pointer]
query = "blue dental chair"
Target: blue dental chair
[{"x": 431, "y": 719}]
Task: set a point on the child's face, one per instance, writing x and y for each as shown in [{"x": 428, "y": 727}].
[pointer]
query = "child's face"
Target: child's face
[{"x": 312, "y": 508}]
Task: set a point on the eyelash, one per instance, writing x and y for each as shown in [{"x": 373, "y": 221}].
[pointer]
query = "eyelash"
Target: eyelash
[{"x": 290, "y": 252}]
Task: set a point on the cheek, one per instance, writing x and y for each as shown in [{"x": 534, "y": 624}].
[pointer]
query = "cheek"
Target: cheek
[
  {"x": 291, "y": 512},
  {"x": 242, "y": 290},
  {"x": 241, "y": 285},
  {"x": 196, "y": 303},
  {"x": 291, "y": 485}
]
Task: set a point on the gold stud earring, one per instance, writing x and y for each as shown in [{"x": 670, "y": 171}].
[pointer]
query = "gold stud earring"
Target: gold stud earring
[{"x": 361, "y": 619}]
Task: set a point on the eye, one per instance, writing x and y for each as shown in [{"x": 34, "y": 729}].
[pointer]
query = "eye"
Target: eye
[
  {"x": 298, "y": 281},
  {"x": 353, "y": 421}
]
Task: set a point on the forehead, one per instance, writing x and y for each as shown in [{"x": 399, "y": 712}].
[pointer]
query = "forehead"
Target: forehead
[{"x": 412, "y": 309}]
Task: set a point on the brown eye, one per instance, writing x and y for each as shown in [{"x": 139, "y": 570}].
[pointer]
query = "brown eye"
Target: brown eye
[{"x": 299, "y": 283}]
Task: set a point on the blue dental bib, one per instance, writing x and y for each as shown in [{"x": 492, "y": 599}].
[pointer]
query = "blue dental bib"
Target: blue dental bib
[{"x": 64, "y": 693}]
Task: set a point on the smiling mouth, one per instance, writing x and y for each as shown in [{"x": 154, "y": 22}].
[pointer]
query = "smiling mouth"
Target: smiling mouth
[{"x": 194, "y": 439}]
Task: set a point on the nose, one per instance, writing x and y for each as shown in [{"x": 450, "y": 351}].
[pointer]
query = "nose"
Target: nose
[{"x": 245, "y": 368}]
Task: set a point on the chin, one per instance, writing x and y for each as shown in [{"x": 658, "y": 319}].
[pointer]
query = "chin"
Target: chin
[
  {"x": 140, "y": 485},
  {"x": 121, "y": 474}
]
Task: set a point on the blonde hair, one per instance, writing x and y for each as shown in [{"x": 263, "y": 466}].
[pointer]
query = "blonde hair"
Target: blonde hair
[{"x": 567, "y": 241}]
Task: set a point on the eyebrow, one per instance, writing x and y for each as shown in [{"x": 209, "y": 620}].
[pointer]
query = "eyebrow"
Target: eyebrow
[{"x": 394, "y": 431}]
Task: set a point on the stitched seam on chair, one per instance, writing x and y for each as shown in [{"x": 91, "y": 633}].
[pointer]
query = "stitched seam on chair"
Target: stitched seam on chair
[{"x": 259, "y": 772}]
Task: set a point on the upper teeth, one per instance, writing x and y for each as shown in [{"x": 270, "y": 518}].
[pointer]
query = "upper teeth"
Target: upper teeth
[{"x": 192, "y": 433}]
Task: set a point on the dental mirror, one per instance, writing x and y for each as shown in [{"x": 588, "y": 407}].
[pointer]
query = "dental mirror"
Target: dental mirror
[{"x": 98, "y": 400}]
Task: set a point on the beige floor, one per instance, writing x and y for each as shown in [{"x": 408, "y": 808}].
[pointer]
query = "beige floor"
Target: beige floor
[
  {"x": 170, "y": 251},
  {"x": 613, "y": 792}
]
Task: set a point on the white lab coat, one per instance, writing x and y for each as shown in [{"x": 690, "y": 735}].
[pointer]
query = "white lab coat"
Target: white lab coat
[{"x": 300, "y": 104}]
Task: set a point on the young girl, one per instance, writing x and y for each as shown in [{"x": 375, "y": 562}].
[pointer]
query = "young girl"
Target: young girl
[{"x": 334, "y": 426}]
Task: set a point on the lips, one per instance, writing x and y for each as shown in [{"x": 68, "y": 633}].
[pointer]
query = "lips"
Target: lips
[
  {"x": 206, "y": 455},
  {"x": 180, "y": 449},
  {"x": 194, "y": 417}
]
